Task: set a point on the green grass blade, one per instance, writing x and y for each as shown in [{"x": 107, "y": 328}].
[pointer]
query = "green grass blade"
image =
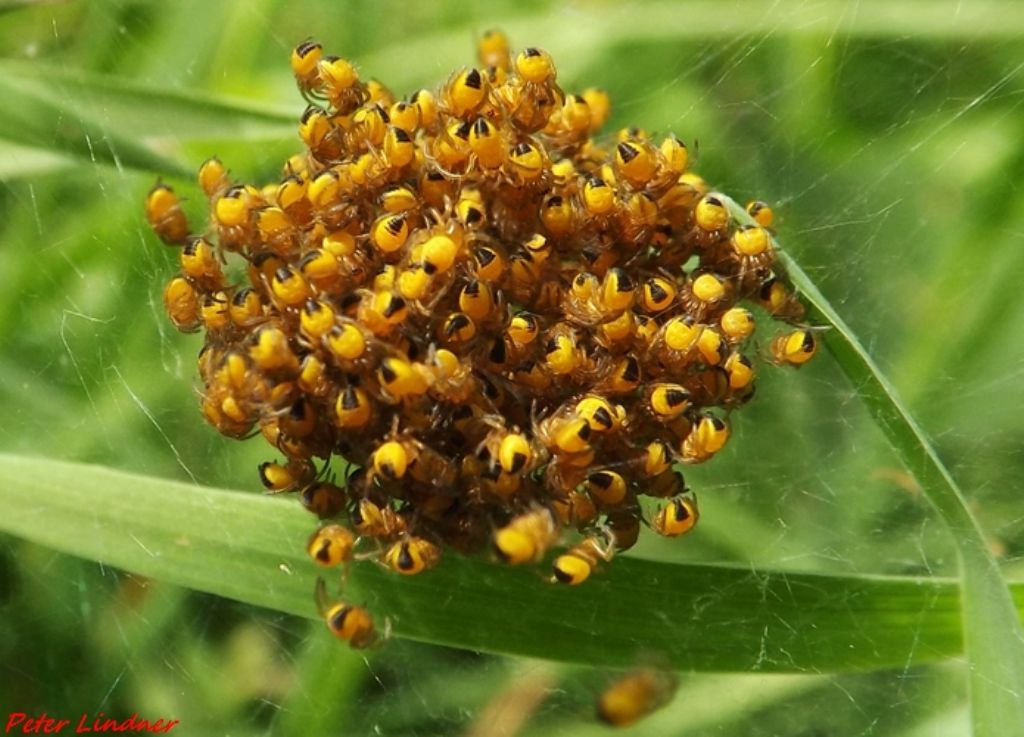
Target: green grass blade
[
  {"x": 656, "y": 22},
  {"x": 994, "y": 639},
  {"x": 17, "y": 162},
  {"x": 696, "y": 617},
  {"x": 329, "y": 682},
  {"x": 9, "y": 5},
  {"x": 111, "y": 121},
  {"x": 41, "y": 120}
]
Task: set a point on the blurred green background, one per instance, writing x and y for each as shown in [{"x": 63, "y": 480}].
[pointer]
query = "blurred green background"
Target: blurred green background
[{"x": 887, "y": 135}]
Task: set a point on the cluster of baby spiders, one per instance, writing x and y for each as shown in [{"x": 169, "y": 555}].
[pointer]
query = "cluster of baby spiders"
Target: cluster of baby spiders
[{"x": 506, "y": 327}]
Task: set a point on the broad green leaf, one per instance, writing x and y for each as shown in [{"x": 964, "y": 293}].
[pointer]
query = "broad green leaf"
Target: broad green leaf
[
  {"x": 994, "y": 639},
  {"x": 695, "y": 617}
]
